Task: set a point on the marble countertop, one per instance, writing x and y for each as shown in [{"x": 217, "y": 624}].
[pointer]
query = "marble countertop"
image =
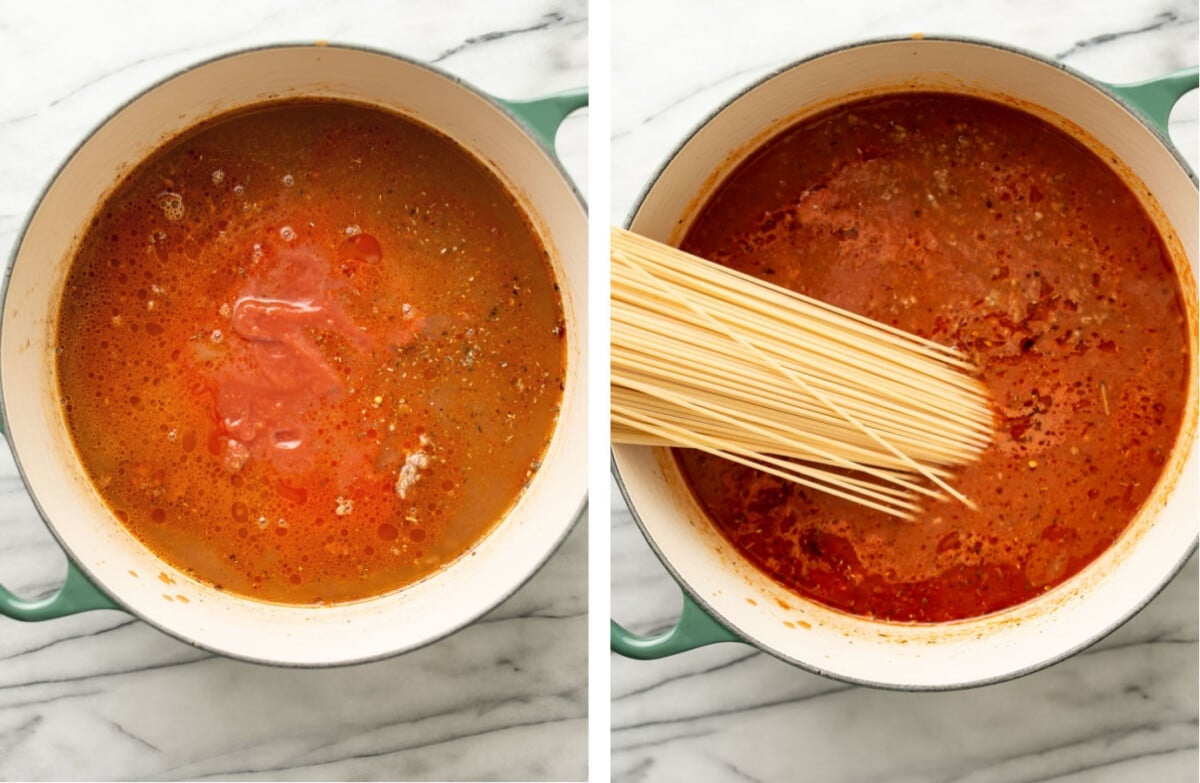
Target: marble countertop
[
  {"x": 104, "y": 696},
  {"x": 1122, "y": 710}
]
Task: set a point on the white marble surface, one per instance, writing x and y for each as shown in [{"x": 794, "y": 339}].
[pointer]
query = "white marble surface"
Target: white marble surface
[
  {"x": 102, "y": 696},
  {"x": 1123, "y": 710}
]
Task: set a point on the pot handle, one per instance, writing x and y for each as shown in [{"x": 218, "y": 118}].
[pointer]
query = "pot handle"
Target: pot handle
[
  {"x": 1154, "y": 98},
  {"x": 544, "y": 115},
  {"x": 695, "y": 628},
  {"x": 77, "y": 594}
]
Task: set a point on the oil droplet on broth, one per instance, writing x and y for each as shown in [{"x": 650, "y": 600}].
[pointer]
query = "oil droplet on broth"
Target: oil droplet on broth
[{"x": 361, "y": 246}]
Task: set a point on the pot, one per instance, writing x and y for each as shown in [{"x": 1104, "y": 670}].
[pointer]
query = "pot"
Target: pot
[
  {"x": 108, "y": 568},
  {"x": 727, "y": 599}
]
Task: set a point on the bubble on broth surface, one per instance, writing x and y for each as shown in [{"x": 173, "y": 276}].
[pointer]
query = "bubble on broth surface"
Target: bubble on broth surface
[
  {"x": 218, "y": 177},
  {"x": 171, "y": 205},
  {"x": 288, "y": 233}
]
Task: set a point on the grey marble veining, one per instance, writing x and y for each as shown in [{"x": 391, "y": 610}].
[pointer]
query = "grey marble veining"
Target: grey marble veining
[
  {"x": 103, "y": 696},
  {"x": 1123, "y": 710}
]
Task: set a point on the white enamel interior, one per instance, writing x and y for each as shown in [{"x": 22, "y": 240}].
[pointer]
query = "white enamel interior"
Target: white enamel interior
[
  {"x": 94, "y": 539},
  {"x": 890, "y": 654}
]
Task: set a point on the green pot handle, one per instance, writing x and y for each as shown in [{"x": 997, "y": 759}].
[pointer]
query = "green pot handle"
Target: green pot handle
[
  {"x": 78, "y": 593},
  {"x": 1154, "y": 98},
  {"x": 695, "y": 628},
  {"x": 544, "y": 115}
]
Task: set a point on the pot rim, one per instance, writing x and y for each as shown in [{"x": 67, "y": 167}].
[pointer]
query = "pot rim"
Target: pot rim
[
  {"x": 84, "y": 566},
  {"x": 692, "y": 592}
]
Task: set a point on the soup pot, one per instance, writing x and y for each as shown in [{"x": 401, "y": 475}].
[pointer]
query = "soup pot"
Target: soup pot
[
  {"x": 726, "y": 598},
  {"x": 108, "y": 568}
]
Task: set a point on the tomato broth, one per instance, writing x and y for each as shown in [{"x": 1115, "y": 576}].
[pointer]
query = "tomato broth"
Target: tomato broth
[
  {"x": 985, "y": 228},
  {"x": 311, "y": 351}
]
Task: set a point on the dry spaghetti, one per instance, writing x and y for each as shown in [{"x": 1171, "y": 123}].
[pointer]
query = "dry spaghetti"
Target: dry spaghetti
[{"x": 709, "y": 358}]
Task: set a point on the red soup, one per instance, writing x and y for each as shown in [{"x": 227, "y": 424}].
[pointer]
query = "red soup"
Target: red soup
[
  {"x": 987, "y": 229},
  {"x": 310, "y": 352}
]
